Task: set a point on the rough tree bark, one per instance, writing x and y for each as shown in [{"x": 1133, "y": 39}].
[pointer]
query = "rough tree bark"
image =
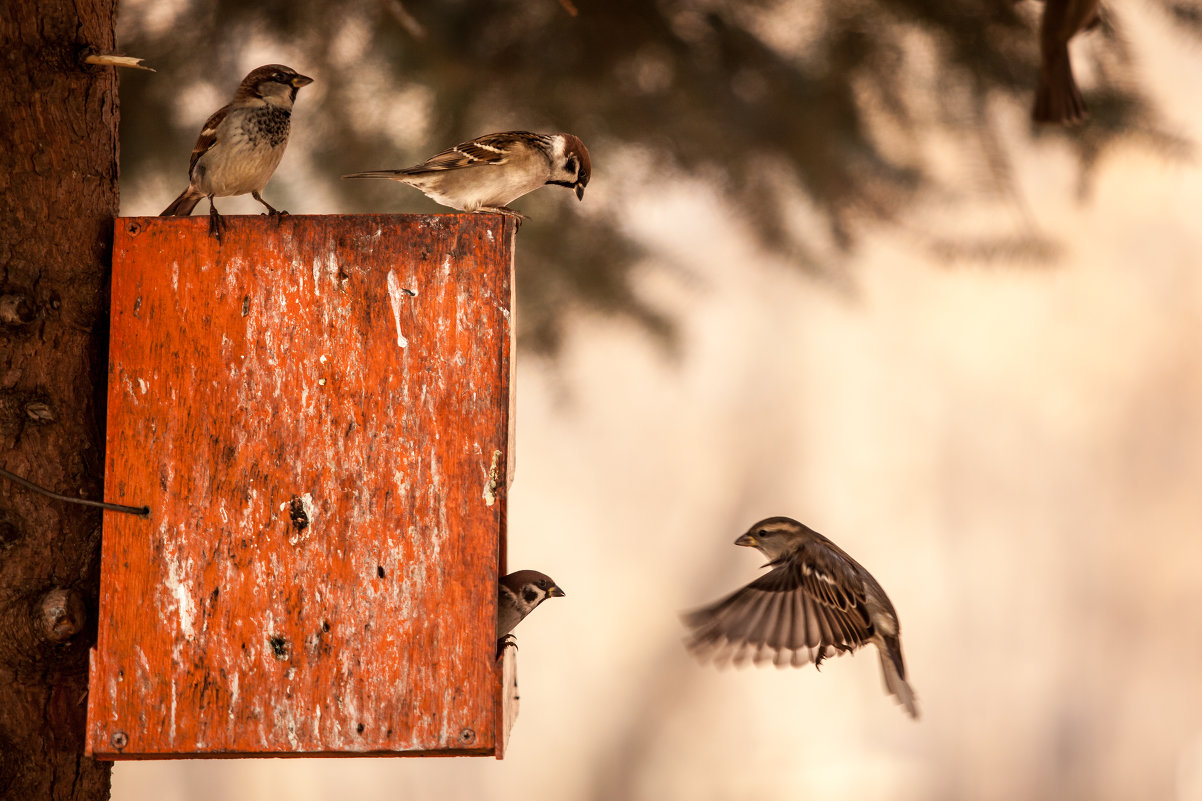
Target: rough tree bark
[{"x": 58, "y": 190}]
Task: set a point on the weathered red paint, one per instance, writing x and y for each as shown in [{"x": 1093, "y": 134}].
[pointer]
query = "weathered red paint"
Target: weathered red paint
[{"x": 326, "y": 458}]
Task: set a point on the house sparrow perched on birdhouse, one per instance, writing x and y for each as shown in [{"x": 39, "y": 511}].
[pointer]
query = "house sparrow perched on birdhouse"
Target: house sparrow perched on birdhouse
[
  {"x": 816, "y": 602},
  {"x": 1057, "y": 98},
  {"x": 242, "y": 143},
  {"x": 489, "y": 173},
  {"x": 517, "y": 595}
]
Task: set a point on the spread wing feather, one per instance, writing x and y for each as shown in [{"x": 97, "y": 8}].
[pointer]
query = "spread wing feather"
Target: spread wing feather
[{"x": 801, "y": 611}]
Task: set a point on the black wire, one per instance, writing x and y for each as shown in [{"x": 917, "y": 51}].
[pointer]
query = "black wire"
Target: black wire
[{"x": 140, "y": 511}]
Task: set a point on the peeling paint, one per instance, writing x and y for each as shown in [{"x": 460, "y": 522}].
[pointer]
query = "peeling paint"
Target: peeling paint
[
  {"x": 298, "y": 535},
  {"x": 395, "y": 293}
]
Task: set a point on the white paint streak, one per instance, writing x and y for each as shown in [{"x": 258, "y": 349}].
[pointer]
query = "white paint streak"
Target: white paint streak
[
  {"x": 328, "y": 265},
  {"x": 395, "y": 294},
  {"x": 177, "y": 585},
  {"x": 233, "y": 687},
  {"x": 142, "y": 385}
]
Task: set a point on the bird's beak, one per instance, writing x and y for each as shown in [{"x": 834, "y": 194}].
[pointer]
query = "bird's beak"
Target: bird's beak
[
  {"x": 555, "y": 592},
  {"x": 579, "y": 191},
  {"x": 301, "y": 80},
  {"x": 747, "y": 540}
]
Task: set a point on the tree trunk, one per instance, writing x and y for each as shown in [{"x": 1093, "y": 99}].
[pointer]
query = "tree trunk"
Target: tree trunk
[{"x": 58, "y": 189}]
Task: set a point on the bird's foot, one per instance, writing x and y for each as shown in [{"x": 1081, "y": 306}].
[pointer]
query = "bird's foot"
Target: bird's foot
[
  {"x": 216, "y": 222},
  {"x": 505, "y": 642},
  {"x": 272, "y": 211},
  {"x": 505, "y": 211}
]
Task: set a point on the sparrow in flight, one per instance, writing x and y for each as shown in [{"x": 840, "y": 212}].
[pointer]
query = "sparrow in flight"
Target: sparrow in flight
[{"x": 815, "y": 602}]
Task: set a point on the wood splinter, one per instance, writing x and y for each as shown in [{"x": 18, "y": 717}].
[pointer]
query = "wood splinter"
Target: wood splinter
[{"x": 114, "y": 60}]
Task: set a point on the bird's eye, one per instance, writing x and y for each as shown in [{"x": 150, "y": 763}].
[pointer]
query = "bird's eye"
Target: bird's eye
[
  {"x": 762, "y": 533},
  {"x": 279, "y": 76},
  {"x": 542, "y": 584}
]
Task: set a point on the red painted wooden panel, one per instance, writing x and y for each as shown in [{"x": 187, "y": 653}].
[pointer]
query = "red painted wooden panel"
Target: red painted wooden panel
[{"x": 316, "y": 410}]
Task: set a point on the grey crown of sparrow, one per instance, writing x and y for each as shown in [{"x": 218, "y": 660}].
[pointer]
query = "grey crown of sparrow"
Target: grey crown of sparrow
[
  {"x": 242, "y": 143},
  {"x": 488, "y": 173},
  {"x": 814, "y": 603},
  {"x": 518, "y": 594}
]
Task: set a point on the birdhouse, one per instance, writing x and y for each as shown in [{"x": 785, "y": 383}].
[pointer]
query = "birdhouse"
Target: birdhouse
[{"x": 317, "y": 411}]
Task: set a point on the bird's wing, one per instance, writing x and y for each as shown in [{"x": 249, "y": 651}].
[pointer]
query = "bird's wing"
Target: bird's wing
[
  {"x": 469, "y": 154},
  {"x": 808, "y": 607},
  {"x": 489, "y": 150},
  {"x": 208, "y": 135}
]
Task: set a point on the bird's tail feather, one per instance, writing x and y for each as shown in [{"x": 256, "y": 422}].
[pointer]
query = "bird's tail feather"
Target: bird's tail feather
[
  {"x": 377, "y": 174},
  {"x": 893, "y": 671},
  {"x": 1057, "y": 98},
  {"x": 182, "y": 206}
]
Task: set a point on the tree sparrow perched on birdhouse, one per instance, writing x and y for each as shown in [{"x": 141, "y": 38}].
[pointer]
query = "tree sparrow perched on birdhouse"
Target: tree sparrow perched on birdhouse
[
  {"x": 1057, "y": 98},
  {"x": 517, "y": 595},
  {"x": 489, "y": 173},
  {"x": 242, "y": 143},
  {"x": 816, "y": 602}
]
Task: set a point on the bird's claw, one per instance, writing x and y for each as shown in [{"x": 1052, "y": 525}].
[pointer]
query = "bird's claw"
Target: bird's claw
[
  {"x": 505, "y": 642},
  {"x": 505, "y": 211},
  {"x": 216, "y": 224}
]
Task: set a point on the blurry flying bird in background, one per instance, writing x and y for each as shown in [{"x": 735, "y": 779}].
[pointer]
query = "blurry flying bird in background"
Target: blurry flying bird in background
[{"x": 1057, "y": 98}]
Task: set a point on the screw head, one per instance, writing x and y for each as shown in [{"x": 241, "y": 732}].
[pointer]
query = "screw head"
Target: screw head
[
  {"x": 119, "y": 740},
  {"x": 467, "y": 736}
]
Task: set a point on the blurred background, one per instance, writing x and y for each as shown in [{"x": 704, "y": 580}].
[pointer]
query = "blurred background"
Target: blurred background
[{"x": 825, "y": 268}]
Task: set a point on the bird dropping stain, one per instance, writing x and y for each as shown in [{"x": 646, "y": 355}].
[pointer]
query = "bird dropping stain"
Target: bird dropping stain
[
  {"x": 395, "y": 293},
  {"x": 494, "y": 477}
]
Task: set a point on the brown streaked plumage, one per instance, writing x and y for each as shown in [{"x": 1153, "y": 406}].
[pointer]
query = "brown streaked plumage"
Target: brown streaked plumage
[
  {"x": 242, "y": 143},
  {"x": 815, "y": 602},
  {"x": 488, "y": 173}
]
